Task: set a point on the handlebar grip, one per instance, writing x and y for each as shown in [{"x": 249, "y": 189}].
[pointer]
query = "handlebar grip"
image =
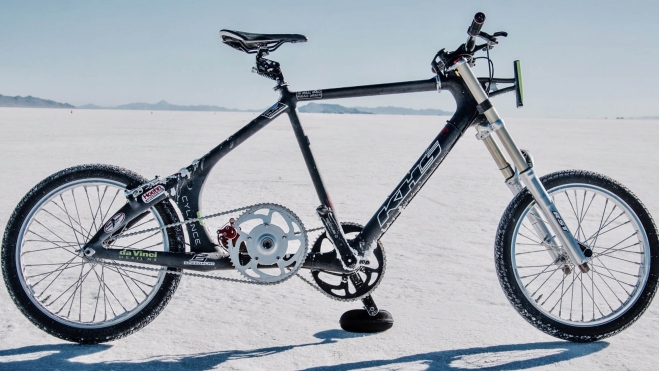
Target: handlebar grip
[
  {"x": 474, "y": 30},
  {"x": 476, "y": 24}
]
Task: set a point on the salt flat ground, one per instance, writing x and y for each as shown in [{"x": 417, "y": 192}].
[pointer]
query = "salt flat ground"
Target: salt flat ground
[{"x": 440, "y": 284}]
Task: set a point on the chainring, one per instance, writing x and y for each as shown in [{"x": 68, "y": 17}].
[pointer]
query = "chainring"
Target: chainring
[
  {"x": 340, "y": 286},
  {"x": 271, "y": 245}
]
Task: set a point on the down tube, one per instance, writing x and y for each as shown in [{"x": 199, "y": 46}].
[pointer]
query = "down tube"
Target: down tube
[{"x": 410, "y": 185}]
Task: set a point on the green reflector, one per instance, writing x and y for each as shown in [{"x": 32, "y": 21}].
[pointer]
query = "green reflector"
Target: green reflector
[{"x": 519, "y": 87}]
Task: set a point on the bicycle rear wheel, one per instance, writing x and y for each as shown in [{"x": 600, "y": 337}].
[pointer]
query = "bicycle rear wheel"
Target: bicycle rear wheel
[
  {"x": 66, "y": 295},
  {"x": 555, "y": 296}
]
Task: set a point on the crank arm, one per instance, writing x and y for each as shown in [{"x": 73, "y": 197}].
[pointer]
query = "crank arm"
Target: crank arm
[
  {"x": 191, "y": 261},
  {"x": 333, "y": 230},
  {"x": 325, "y": 261}
]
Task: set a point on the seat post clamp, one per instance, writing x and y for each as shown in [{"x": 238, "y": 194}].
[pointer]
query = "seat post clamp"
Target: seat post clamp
[{"x": 269, "y": 68}]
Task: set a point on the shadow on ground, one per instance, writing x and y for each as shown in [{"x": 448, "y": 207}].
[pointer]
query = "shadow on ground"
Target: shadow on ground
[{"x": 500, "y": 357}]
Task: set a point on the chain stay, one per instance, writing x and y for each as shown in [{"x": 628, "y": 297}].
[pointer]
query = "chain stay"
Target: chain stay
[
  {"x": 217, "y": 278},
  {"x": 199, "y": 275}
]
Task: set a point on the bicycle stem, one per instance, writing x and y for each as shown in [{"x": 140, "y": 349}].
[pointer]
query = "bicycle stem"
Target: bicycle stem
[{"x": 526, "y": 172}]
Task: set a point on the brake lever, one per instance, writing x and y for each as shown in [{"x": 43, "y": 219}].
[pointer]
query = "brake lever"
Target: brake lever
[
  {"x": 491, "y": 39},
  {"x": 488, "y": 37},
  {"x": 482, "y": 47}
]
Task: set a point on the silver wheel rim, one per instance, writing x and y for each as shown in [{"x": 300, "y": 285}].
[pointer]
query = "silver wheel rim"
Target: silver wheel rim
[
  {"x": 619, "y": 266},
  {"x": 64, "y": 286}
]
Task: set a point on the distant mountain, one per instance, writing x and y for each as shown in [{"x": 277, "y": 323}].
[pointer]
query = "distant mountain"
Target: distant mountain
[
  {"x": 336, "y": 108},
  {"x": 31, "y": 102},
  {"x": 389, "y": 110},
  {"x": 164, "y": 106},
  {"x": 329, "y": 108},
  {"x": 91, "y": 106}
]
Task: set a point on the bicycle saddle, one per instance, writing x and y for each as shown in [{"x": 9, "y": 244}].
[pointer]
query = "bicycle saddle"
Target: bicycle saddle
[{"x": 252, "y": 42}]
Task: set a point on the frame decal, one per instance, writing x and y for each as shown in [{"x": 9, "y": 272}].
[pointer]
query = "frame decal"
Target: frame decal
[
  {"x": 309, "y": 94},
  {"x": 275, "y": 110},
  {"x": 198, "y": 259},
  {"x": 153, "y": 194},
  {"x": 114, "y": 222},
  {"x": 413, "y": 177}
]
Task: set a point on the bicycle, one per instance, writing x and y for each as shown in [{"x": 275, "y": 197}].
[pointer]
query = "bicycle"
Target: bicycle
[{"x": 576, "y": 252}]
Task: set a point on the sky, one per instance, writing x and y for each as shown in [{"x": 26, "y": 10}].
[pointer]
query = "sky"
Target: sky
[{"x": 579, "y": 59}]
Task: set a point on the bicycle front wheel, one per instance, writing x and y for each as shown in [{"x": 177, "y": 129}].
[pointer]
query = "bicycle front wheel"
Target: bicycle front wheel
[
  {"x": 60, "y": 291},
  {"x": 551, "y": 293}
]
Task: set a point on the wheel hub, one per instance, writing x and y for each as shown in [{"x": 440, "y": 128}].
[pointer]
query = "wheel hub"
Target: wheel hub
[{"x": 264, "y": 245}]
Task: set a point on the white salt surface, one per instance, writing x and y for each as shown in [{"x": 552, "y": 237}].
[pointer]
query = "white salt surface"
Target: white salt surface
[{"x": 440, "y": 285}]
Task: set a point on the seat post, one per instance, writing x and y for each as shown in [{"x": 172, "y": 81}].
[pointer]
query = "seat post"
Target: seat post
[{"x": 269, "y": 68}]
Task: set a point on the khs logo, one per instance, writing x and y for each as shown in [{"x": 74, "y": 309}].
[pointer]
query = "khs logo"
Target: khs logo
[{"x": 413, "y": 178}]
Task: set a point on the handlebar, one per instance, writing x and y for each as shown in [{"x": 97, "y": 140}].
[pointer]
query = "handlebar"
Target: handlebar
[
  {"x": 474, "y": 30},
  {"x": 444, "y": 59}
]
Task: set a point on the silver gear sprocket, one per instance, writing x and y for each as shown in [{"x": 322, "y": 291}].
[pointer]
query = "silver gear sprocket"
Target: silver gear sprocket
[{"x": 271, "y": 246}]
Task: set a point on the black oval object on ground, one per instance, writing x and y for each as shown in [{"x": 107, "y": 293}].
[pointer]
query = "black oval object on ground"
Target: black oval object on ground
[{"x": 358, "y": 320}]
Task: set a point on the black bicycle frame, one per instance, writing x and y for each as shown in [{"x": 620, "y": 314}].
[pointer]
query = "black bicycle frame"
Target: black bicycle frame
[{"x": 186, "y": 186}]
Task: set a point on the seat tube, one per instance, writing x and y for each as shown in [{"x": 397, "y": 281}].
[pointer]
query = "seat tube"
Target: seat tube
[
  {"x": 325, "y": 211},
  {"x": 310, "y": 161},
  {"x": 526, "y": 171}
]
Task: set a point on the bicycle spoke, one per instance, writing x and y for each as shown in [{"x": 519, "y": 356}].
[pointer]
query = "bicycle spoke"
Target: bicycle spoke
[
  {"x": 630, "y": 236},
  {"x": 75, "y": 203},
  {"x": 91, "y": 213},
  {"x": 563, "y": 292},
  {"x": 75, "y": 231},
  {"x": 530, "y": 252},
  {"x": 536, "y": 275},
  {"x": 141, "y": 224},
  {"x": 64, "y": 265},
  {"x": 613, "y": 270},
  {"x": 529, "y": 238},
  {"x": 53, "y": 271},
  {"x": 532, "y": 232},
  {"x": 612, "y": 277},
  {"x": 98, "y": 295},
  {"x": 68, "y": 215},
  {"x": 107, "y": 211}
]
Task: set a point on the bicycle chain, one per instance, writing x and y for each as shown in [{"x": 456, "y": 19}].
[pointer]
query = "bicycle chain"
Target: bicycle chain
[
  {"x": 187, "y": 221},
  {"x": 199, "y": 275}
]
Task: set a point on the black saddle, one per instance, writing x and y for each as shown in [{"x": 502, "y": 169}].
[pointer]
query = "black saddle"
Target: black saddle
[{"x": 252, "y": 42}]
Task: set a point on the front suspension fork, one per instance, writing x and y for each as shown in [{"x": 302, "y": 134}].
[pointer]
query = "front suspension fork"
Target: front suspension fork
[{"x": 524, "y": 172}]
